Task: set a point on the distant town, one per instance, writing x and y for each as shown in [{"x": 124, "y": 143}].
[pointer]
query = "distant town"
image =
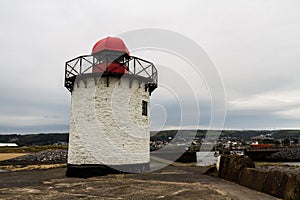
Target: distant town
[{"x": 191, "y": 140}]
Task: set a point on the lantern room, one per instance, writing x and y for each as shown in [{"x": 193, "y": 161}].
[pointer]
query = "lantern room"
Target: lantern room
[{"x": 110, "y": 51}]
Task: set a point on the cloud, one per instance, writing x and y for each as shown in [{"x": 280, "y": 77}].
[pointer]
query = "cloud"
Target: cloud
[
  {"x": 255, "y": 46},
  {"x": 267, "y": 110},
  {"x": 272, "y": 100}
]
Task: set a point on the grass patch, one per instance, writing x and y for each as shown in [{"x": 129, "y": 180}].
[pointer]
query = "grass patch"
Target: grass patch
[{"x": 6, "y": 156}]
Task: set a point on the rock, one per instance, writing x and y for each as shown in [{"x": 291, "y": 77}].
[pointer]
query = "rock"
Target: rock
[
  {"x": 254, "y": 179},
  {"x": 240, "y": 169},
  {"x": 292, "y": 187},
  {"x": 247, "y": 177},
  {"x": 283, "y": 185},
  {"x": 286, "y": 155},
  {"x": 290, "y": 169},
  {"x": 230, "y": 166},
  {"x": 259, "y": 179},
  {"x": 43, "y": 157},
  {"x": 276, "y": 183}
]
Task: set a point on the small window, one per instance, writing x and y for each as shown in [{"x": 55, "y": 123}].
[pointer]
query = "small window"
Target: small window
[{"x": 144, "y": 108}]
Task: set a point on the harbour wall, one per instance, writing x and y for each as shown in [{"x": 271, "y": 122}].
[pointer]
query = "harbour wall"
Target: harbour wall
[{"x": 241, "y": 169}]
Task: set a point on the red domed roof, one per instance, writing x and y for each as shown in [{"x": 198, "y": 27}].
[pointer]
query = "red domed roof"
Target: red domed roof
[{"x": 110, "y": 43}]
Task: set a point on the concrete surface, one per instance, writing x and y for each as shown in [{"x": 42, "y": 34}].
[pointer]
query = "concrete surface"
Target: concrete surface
[{"x": 172, "y": 182}]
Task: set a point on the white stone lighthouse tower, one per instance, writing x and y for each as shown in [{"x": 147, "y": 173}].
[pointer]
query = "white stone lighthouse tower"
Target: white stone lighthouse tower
[{"x": 109, "y": 128}]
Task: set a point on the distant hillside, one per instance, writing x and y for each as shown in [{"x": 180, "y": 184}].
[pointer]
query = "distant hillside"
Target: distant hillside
[
  {"x": 286, "y": 134},
  {"x": 35, "y": 139},
  {"x": 245, "y": 134},
  {"x": 239, "y": 134},
  {"x": 52, "y": 138}
]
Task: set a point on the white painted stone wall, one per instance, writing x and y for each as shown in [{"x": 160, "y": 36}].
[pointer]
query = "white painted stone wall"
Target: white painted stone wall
[{"x": 107, "y": 126}]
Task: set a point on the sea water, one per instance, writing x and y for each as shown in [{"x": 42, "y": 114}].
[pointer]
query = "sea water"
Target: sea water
[{"x": 206, "y": 158}]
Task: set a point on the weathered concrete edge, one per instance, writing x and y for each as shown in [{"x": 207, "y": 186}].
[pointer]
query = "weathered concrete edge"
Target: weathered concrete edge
[{"x": 276, "y": 183}]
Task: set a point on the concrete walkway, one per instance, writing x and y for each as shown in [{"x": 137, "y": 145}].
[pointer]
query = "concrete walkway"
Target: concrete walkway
[{"x": 172, "y": 182}]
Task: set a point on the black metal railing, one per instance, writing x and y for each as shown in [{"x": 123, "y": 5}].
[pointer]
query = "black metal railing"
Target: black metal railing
[{"x": 102, "y": 62}]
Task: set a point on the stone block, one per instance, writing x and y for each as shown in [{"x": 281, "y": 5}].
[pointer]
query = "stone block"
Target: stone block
[{"x": 231, "y": 166}]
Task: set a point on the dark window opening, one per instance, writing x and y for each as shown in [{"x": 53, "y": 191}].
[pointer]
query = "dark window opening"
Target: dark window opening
[{"x": 144, "y": 108}]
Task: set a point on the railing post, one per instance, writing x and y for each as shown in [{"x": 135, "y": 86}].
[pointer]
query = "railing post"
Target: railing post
[
  {"x": 134, "y": 66},
  {"x": 80, "y": 65},
  {"x": 66, "y": 71},
  {"x": 152, "y": 71}
]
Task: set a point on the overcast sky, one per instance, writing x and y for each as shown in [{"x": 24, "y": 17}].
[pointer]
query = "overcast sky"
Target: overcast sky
[{"x": 255, "y": 45}]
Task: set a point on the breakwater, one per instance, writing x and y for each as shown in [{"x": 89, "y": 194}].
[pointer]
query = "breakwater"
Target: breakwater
[
  {"x": 241, "y": 169},
  {"x": 274, "y": 155}
]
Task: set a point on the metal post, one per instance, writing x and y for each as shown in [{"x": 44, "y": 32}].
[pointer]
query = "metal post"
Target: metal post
[
  {"x": 134, "y": 66},
  {"x": 80, "y": 64}
]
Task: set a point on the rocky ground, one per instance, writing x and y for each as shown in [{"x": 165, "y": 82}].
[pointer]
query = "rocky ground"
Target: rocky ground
[
  {"x": 292, "y": 154},
  {"x": 172, "y": 182},
  {"x": 290, "y": 168},
  {"x": 43, "y": 157}
]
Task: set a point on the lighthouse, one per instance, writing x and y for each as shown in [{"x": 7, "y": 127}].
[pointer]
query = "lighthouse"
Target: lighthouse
[{"x": 110, "y": 116}]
